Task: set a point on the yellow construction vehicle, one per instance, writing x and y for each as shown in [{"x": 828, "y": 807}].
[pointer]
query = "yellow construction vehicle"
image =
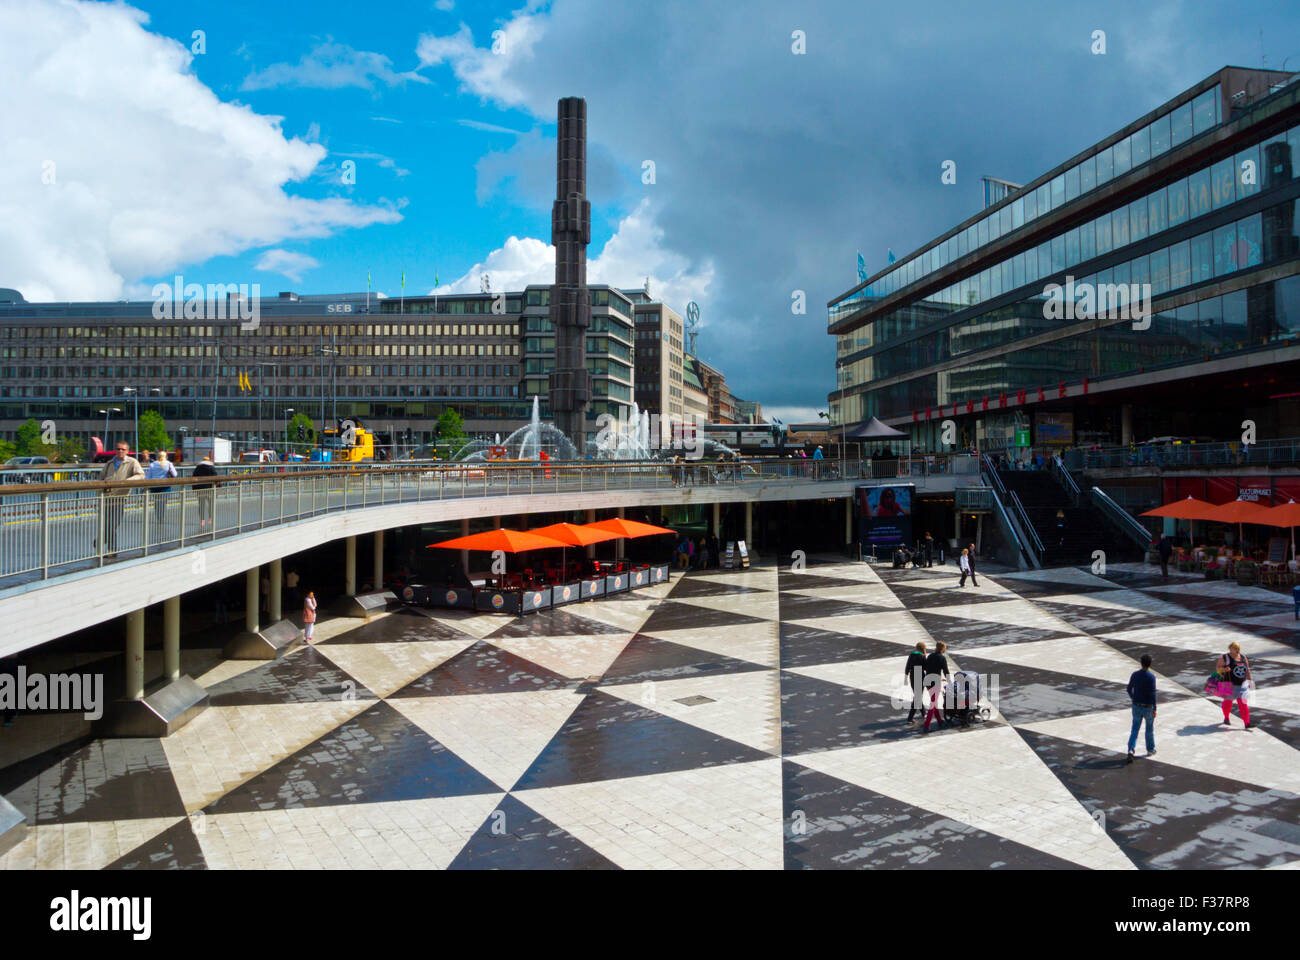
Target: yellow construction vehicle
[{"x": 349, "y": 442}]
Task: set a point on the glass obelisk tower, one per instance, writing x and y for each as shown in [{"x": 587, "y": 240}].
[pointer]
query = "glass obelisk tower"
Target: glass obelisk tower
[{"x": 570, "y": 311}]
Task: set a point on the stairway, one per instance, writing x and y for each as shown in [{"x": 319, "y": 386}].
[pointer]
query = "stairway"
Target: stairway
[{"x": 1083, "y": 530}]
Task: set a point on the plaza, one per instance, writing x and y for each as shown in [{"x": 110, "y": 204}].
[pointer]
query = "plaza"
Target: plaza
[{"x": 730, "y": 719}]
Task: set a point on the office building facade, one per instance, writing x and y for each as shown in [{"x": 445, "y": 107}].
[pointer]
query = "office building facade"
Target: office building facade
[{"x": 1189, "y": 211}]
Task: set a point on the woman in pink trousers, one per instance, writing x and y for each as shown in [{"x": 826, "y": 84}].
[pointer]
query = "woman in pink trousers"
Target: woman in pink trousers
[{"x": 309, "y": 614}]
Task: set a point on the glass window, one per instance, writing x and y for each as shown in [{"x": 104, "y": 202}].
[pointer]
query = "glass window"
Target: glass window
[
  {"x": 984, "y": 289},
  {"x": 1072, "y": 247},
  {"x": 1276, "y": 168},
  {"x": 1157, "y": 214},
  {"x": 1123, "y": 273},
  {"x": 1007, "y": 278},
  {"x": 1177, "y": 194},
  {"x": 983, "y": 235},
  {"x": 1205, "y": 110},
  {"x": 1141, "y": 146},
  {"x": 1293, "y": 141},
  {"x": 1005, "y": 214},
  {"x": 1105, "y": 165},
  {"x": 1043, "y": 195},
  {"x": 1210, "y": 321},
  {"x": 1058, "y": 191},
  {"x": 1198, "y": 193},
  {"x": 1087, "y": 241},
  {"x": 961, "y": 244},
  {"x": 1044, "y": 260},
  {"x": 1102, "y": 225},
  {"x": 1249, "y": 249},
  {"x": 1280, "y": 231},
  {"x": 1180, "y": 265},
  {"x": 1018, "y": 213},
  {"x": 1058, "y": 254},
  {"x": 1031, "y": 203},
  {"x": 1247, "y": 172},
  {"x": 1222, "y": 177},
  {"x": 1071, "y": 183},
  {"x": 995, "y": 281},
  {"x": 1119, "y": 228},
  {"x": 1137, "y": 220},
  {"x": 1087, "y": 175},
  {"x": 1018, "y": 270},
  {"x": 1225, "y": 250},
  {"x": 1160, "y": 136},
  {"x": 1123, "y": 156},
  {"x": 1140, "y": 271},
  {"x": 1180, "y": 123}
]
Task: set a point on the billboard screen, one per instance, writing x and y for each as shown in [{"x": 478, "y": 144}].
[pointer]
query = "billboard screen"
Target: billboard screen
[{"x": 885, "y": 515}]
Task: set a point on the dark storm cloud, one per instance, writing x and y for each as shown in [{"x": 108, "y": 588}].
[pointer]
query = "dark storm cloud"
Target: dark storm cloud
[{"x": 780, "y": 167}]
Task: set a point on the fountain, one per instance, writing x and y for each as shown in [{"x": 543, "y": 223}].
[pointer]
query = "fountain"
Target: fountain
[{"x": 527, "y": 443}]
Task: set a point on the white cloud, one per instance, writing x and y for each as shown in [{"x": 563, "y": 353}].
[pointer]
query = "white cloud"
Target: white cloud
[
  {"x": 634, "y": 252},
  {"x": 151, "y": 171},
  {"x": 483, "y": 70},
  {"x": 332, "y": 66},
  {"x": 445, "y": 5},
  {"x": 287, "y": 262}
]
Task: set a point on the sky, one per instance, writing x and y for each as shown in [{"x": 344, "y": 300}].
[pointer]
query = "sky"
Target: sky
[{"x": 740, "y": 154}]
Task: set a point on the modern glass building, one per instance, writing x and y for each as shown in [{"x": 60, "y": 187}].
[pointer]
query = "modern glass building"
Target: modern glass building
[
  {"x": 1192, "y": 205},
  {"x": 395, "y": 364}
]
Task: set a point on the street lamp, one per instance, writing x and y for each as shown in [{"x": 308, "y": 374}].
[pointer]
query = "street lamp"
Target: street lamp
[
  {"x": 106, "y": 413},
  {"x": 134, "y": 395},
  {"x": 288, "y": 417}
]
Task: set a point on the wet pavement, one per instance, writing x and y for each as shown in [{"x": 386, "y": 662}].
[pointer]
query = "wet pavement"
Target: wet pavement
[{"x": 728, "y": 719}]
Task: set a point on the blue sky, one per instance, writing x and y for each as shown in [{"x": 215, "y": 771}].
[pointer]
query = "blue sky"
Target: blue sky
[{"x": 773, "y": 168}]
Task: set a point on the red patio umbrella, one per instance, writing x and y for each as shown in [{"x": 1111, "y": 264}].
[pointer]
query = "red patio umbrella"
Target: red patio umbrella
[
  {"x": 1283, "y": 515},
  {"x": 1238, "y": 511},
  {"x": 1188, "y": 509},
  {"x": 505, "y": 540},
  {"x": 628, "y": 528}
]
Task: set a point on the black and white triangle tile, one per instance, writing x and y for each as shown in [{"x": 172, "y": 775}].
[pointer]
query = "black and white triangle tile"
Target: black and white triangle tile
[{"x": 730, "y": 719}]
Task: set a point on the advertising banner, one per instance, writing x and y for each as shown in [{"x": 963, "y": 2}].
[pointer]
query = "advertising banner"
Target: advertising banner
[
  {"x": 885, "y": 514},
  {"x": 1054, "y": 429}
]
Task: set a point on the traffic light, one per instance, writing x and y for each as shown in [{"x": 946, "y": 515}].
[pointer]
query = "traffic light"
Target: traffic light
[{"x": 302, "y": 431}]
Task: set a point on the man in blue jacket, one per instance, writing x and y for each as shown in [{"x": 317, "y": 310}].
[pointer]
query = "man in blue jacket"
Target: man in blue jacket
[{"x": 1142, "y": 691}]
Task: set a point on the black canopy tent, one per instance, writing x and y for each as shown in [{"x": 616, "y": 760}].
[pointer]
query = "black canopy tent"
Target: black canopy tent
[{"x": 876, "y": 430}]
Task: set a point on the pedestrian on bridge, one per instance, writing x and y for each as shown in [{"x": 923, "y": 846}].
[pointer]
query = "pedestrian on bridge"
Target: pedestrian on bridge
[
  {"x": 122, "y": 467},
  {"x": 157, "y": 470},
  {"x": 204, "y": 491}
]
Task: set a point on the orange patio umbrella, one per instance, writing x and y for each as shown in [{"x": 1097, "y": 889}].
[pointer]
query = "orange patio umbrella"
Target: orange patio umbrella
[
  {"x": 507, "y": 541},
  {"x": 1238, "y": 511},
  {"x": 1188, "y": 508},
  {"x": 628, "y": 528},
  {"x": 573, "y": 535},
  {"x": 1283, "y": 515}
]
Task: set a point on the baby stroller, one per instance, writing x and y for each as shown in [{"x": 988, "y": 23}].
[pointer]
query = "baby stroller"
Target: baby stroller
[{"x": 966, "y": 702}]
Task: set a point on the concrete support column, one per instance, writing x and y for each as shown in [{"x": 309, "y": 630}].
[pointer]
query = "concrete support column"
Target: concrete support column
[
  {"x": 620, "y": 541},
  {"x": 464, "y": 554},
  {"x": 591, "y": 547},
  {"x": 749, "y": 525},
  {"x": 276, "y": 602},
  {"x": 956, "y": 530},
  {"x": 496, "y": 523},
  {"x": 251, "y": 599},
  {"x": 135, "y": 655},
  {"x": 350, "y": 567},
  {"x": 848, "y": 520},
  {"x": 717, "y": 520},
  {"x": 172, "y": 638},
  {"x": 379, "y": 560},
  {"x": 1126, "y": 424}
]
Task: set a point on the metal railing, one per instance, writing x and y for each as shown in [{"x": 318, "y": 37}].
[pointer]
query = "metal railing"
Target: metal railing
[
  {"x": 974, "y": 498},
  {"x": 55, "y": 528},
  {"x": 1024, "y": 555},
  {"x": 1127, "y": 524},
  {"x": 1023, "y": 516},
  {"x": 1174, "y": 455},
  {"x": 1063, "y": 477}
]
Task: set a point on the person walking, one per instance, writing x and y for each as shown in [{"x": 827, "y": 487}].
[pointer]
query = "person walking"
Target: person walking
[
  {"x": 683, "y": 554},
  {"x": 309, "y": 615},
  {"x": 702, "y": 555},
  {"x": 1236, "y": 668},
  {"x": 122, "y": 467},
  {"x": 158, "y": 470},
  {"x": 1142, "y": 691},
  {"x": 974, "y": 582},
  {"x": 818, "y": 457},
  {"x": 1166, "y": 549},
  {"x": 265, "y": 590},
  {"x": 204, "y": 491},
  {"x": 966, "y": 569},
  {"x": 936, "y": 677},
  {"x": 291, "y": 585},
  {"x": 929, "y": 549},
  {"x": 914, "y": 670}
]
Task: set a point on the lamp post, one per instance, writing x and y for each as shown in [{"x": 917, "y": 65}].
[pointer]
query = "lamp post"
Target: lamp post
[
  {"x": 135, "y": 399},
  {"x": 288, "y": 417},
  {"x": 106, "y": 413}
]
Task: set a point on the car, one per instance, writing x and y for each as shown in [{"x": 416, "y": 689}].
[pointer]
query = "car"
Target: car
[{"x": 27, "y": 461}]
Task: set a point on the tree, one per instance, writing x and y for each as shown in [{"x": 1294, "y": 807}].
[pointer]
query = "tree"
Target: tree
[
  {"x": 153, "y": 432},
  {"x": 451, "y": 430},
  {"x": 300, "y": 431},
  {"x": 70, "y": 450},
  {"x": 7, "y": 450},
  {"x": 29, "y": 438}
]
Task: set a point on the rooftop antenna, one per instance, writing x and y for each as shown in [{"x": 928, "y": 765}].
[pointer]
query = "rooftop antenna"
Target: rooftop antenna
[{"x": 692, "y": 326}]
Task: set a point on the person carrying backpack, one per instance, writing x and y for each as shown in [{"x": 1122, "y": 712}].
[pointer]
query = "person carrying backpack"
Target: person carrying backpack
[
  {"x": 914, "y": 670},
  {"x": 1236, "y": 668}
]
